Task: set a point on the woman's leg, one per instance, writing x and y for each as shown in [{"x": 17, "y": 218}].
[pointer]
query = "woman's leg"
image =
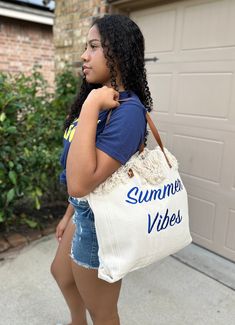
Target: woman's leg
[
  {"x": 62, "y": 272},
  {"x": 100, "y": 297}
]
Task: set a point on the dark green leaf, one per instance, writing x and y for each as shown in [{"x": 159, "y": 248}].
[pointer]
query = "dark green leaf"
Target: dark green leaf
[
  {"x": 10, "y": 195},
  {"x": 12, "y": 176}
]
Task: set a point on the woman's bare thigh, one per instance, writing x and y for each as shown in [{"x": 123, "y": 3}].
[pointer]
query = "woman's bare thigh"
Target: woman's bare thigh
[
  {"x": 62, "y": 261},
  {"x": 99, "y": 296}
]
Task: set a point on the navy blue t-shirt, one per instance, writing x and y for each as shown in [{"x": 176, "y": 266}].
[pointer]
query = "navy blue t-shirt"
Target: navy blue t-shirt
[{"x": 121, "y": 137}]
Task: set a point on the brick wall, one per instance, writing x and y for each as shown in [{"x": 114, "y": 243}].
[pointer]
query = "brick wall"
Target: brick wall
[
  {"x": 71, "y": 25},
  {"x": 25, "y": 43}
]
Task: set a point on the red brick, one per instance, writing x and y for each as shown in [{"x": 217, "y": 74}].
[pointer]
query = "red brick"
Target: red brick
[
  {"x": 4, "y": 245},
  {"x": 26, "y": 41},
  {"x": 34, "y": 235},
  {"x": 16, "y": 240}
]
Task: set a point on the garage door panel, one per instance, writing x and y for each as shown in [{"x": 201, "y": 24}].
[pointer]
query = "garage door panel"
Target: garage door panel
[
  {"x": 209, "y": 24},
  {"x": 216, "y": 55},
  {"x": 209, "y": 219},
  {"x": 203, "y": 213},
  {"x": 161, "y": 88},
  {"x": 228, "y": 166},
  {"x": 214, "y": 192},
  {"x": 199, "y": 93},
  {"x": 225, "y": 128},
  {"x": 210, "y": 101},
  {"x": 163, "y": 131},
  {"x": 202, "y": 217},
  {"x": 230, "y": 236},
  {"x": 157, "y": 22},
  {"x": 164, "y": 137},
  {"x": 194, "y": 151}
]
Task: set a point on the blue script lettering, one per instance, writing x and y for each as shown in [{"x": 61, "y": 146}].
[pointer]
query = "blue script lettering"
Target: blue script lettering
[
  {"x": 135, "y": 195},
  {"x": 162, "y": 222}
]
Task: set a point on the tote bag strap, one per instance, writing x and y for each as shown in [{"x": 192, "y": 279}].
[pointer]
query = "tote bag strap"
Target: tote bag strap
[
  {"x": 154, "y": 132},
  {"x": 156, "y": 136}
]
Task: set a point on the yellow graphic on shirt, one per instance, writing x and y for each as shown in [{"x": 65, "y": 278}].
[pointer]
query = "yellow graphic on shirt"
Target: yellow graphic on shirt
[{"x": 69, "y": 133}]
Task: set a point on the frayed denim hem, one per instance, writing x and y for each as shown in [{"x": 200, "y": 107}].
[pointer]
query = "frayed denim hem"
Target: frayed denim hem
[{"x": 83, "y": 264}]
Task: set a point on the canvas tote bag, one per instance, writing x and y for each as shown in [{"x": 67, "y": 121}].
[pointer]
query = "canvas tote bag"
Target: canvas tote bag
[{"x": 141, "y": 212}]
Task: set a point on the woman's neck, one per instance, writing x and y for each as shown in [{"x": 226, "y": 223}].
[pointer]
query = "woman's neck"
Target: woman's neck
[{"x": 119, "y": 84}]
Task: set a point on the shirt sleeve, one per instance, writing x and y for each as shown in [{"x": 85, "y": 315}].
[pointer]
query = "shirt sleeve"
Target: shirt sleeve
[{"x": 124, "y": 133}]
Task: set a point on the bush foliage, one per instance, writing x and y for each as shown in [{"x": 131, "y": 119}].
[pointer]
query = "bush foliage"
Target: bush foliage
[{"x": 31, "y": 132}]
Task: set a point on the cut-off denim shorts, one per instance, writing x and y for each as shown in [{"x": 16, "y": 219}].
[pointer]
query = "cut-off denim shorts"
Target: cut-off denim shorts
[{"x": 84, "y": 247}]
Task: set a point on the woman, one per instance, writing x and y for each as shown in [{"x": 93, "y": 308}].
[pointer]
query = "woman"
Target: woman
[{"x": 114, "y": 82}]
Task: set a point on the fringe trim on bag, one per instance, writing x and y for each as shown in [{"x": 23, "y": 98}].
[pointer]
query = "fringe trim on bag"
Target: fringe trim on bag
[{"x": 150, "y": 165}]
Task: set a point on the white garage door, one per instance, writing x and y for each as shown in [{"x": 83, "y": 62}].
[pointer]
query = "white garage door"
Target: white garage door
[{"x": 193, "y": 87}]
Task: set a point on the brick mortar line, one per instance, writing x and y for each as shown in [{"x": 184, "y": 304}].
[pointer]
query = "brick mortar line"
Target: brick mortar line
[{"x": 15, "y": 240}]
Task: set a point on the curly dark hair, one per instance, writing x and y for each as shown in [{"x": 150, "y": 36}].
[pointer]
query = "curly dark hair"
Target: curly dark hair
[{"x": 123, "y": 45}]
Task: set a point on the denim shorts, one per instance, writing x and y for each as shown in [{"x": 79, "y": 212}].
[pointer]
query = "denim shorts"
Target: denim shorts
[{"x": 84, "y": 247}]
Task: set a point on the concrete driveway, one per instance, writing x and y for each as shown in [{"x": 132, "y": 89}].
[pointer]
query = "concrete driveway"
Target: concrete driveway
[{"x": 166, "y": 293}]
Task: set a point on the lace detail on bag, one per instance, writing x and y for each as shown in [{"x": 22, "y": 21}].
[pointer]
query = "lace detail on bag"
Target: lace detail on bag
[{"x": 150, "y": 165}]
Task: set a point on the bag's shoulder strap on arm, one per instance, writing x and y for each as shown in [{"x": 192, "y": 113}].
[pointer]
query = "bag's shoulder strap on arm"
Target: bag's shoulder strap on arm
[
  {"x": 152, "y": 128},
  {"x": 156, "y": 136}
]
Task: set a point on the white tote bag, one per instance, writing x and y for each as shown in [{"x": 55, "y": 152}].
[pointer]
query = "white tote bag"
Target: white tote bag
[{"x": 141, "y": 212}]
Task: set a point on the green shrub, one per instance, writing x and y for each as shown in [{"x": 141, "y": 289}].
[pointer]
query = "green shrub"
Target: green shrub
[{"x": 31, "y": 132}]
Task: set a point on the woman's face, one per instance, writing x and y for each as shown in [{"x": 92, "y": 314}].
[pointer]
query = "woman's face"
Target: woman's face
[{"x": 94, "y": 66}]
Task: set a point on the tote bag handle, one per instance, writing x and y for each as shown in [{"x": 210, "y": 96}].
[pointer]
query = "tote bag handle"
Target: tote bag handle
[
  {"x": 154, "y": 132},
  {"x": 156, "y": 136}
]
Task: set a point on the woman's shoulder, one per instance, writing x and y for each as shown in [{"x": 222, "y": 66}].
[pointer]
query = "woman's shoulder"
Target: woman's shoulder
[{"x": 130, "y": 107}]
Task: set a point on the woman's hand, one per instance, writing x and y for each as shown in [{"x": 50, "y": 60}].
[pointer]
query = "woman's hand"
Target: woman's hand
[
  {"x": 104, "y": 97},
  {"x": 61, "y": 227}
]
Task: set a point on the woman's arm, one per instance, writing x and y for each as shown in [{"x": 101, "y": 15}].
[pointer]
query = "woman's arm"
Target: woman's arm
[
  {"x": 88, "y": 166},
  {"x": 64, "y": 222},
  {"x": 69, "y": 212}
]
